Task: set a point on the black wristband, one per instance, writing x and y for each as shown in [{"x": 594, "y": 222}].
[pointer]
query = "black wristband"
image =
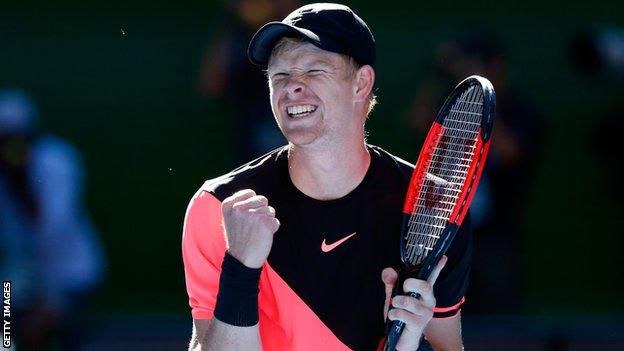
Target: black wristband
[{"x": 237, "y": 301}]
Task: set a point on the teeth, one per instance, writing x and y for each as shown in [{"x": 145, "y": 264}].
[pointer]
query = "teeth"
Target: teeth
[{"x": 299, "y": 109}]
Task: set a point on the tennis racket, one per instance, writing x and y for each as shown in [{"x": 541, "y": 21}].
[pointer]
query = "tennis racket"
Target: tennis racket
[{"x": 443, "y": 183}]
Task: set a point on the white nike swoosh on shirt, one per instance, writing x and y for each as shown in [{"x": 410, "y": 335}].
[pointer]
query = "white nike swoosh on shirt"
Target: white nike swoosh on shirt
[{"x": 328, "y": 247}]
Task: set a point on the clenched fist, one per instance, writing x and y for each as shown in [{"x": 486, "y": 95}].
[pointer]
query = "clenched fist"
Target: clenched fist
[{"x": 249, "y": 227}]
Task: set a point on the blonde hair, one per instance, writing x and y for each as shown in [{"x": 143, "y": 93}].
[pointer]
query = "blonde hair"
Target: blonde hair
[{"x": 351, "y": 66}]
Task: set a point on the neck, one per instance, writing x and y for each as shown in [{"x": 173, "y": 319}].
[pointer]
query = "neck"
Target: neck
[{"x": 328, "y": 173}]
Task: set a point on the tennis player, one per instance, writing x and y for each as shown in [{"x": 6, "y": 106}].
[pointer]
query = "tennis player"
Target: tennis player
[{"x": 285, "y": 252}]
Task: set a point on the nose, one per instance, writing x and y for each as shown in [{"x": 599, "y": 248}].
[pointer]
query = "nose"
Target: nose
[{"x": 294, "y": 86}]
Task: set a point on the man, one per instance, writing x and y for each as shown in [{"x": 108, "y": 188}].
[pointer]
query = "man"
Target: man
[{"x": 285, "y": 252}]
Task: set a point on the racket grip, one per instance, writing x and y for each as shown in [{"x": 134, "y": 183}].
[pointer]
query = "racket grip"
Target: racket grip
[{"x": 395, "y": 329}]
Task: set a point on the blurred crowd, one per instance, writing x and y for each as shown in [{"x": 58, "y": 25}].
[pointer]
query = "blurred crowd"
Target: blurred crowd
[
  {"x": 227, "y": 74},
  {"x": 49, "y": 249},
  {"x": 598, "y": 52}
]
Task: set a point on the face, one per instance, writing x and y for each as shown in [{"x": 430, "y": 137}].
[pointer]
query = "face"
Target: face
[{"x": 312, "y": 97}]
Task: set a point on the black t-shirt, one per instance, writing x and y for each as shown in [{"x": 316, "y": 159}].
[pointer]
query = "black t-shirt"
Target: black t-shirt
[{"x": 331, "y": 253}]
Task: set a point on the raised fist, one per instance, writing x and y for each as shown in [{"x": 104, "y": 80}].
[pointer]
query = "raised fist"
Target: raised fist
[{"x": 249, "y": 227}]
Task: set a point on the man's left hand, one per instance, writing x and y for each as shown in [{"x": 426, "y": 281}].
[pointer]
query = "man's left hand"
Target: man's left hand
[{"x": 414, "y": 312}]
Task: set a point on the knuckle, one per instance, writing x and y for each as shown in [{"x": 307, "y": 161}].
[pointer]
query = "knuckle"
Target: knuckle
[
  {"x": 227, "y": 203},
  {"x": 397, "y": 301},
  {"x": 276, "y": 225},
  {"x": 238, "y": 194},
  {"x": 407, "y": 285},
  {"x": 392, "y": 314},
  {"x": 246, "y": 192},
  {"x": 254, "y": 198},
  {"x": 399, "y": 314}
]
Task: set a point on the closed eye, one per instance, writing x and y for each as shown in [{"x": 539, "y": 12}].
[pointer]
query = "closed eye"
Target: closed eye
[{"x": 279, "y": 75}]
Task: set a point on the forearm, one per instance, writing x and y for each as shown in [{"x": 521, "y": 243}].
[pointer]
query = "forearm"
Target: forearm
[
  {"x": 214, "y": 335},
  {"x": 249, "y": 225},
  {"x": 234, "y": 325},
  {"x": 444, "y": 334}
]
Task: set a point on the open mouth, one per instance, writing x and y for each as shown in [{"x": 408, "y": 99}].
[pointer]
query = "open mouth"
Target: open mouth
[{"x": 300, "y": 110}]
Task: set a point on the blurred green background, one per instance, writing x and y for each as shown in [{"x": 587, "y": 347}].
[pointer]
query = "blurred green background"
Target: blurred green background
[{"x": 119, "y": 80}]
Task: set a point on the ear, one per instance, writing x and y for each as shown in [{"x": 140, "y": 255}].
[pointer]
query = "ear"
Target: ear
[{"x": 364, "y": 81}]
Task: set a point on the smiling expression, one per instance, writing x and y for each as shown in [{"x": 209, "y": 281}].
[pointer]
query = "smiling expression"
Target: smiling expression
[{"x": 312, "y": 95}]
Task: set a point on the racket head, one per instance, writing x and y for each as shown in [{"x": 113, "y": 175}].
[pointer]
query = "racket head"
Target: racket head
[
  {"x": 446, "y": 174},
  {"x": 489, "y": 102}
]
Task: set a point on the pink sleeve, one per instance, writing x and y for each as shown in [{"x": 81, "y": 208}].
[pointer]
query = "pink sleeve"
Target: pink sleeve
[{"x": 203, "y": 248}]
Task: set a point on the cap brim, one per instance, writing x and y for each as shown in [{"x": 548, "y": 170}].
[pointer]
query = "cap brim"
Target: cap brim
[{"x": 264, "y": 40}]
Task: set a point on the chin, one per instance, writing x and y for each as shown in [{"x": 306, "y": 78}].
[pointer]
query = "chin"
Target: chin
[{"x": 301, "y": 137}]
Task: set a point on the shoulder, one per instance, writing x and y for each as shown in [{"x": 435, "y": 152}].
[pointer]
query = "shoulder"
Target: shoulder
[
  {"x": 259, "y": 174},
  {"x": 390, "y": 164},
  {"x": 389, "y": 158}
]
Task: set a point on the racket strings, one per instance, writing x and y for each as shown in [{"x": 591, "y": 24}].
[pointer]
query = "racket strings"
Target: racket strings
[{"x": 445, "y": 175}]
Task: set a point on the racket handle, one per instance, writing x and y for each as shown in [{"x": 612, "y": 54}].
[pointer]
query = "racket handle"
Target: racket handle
[{"x": 395, "y": 329}]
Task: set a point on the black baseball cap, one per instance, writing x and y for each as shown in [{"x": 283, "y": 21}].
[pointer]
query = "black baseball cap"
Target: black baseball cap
[{"x": 331, "y": 27}]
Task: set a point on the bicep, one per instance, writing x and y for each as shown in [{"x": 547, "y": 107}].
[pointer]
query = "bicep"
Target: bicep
[
  {"x": 444, "y": 334},
  {"x": 203, "y": 247}
]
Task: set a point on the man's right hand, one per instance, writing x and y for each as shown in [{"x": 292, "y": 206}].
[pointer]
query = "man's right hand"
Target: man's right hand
[{"x": 249, "y": 224}]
